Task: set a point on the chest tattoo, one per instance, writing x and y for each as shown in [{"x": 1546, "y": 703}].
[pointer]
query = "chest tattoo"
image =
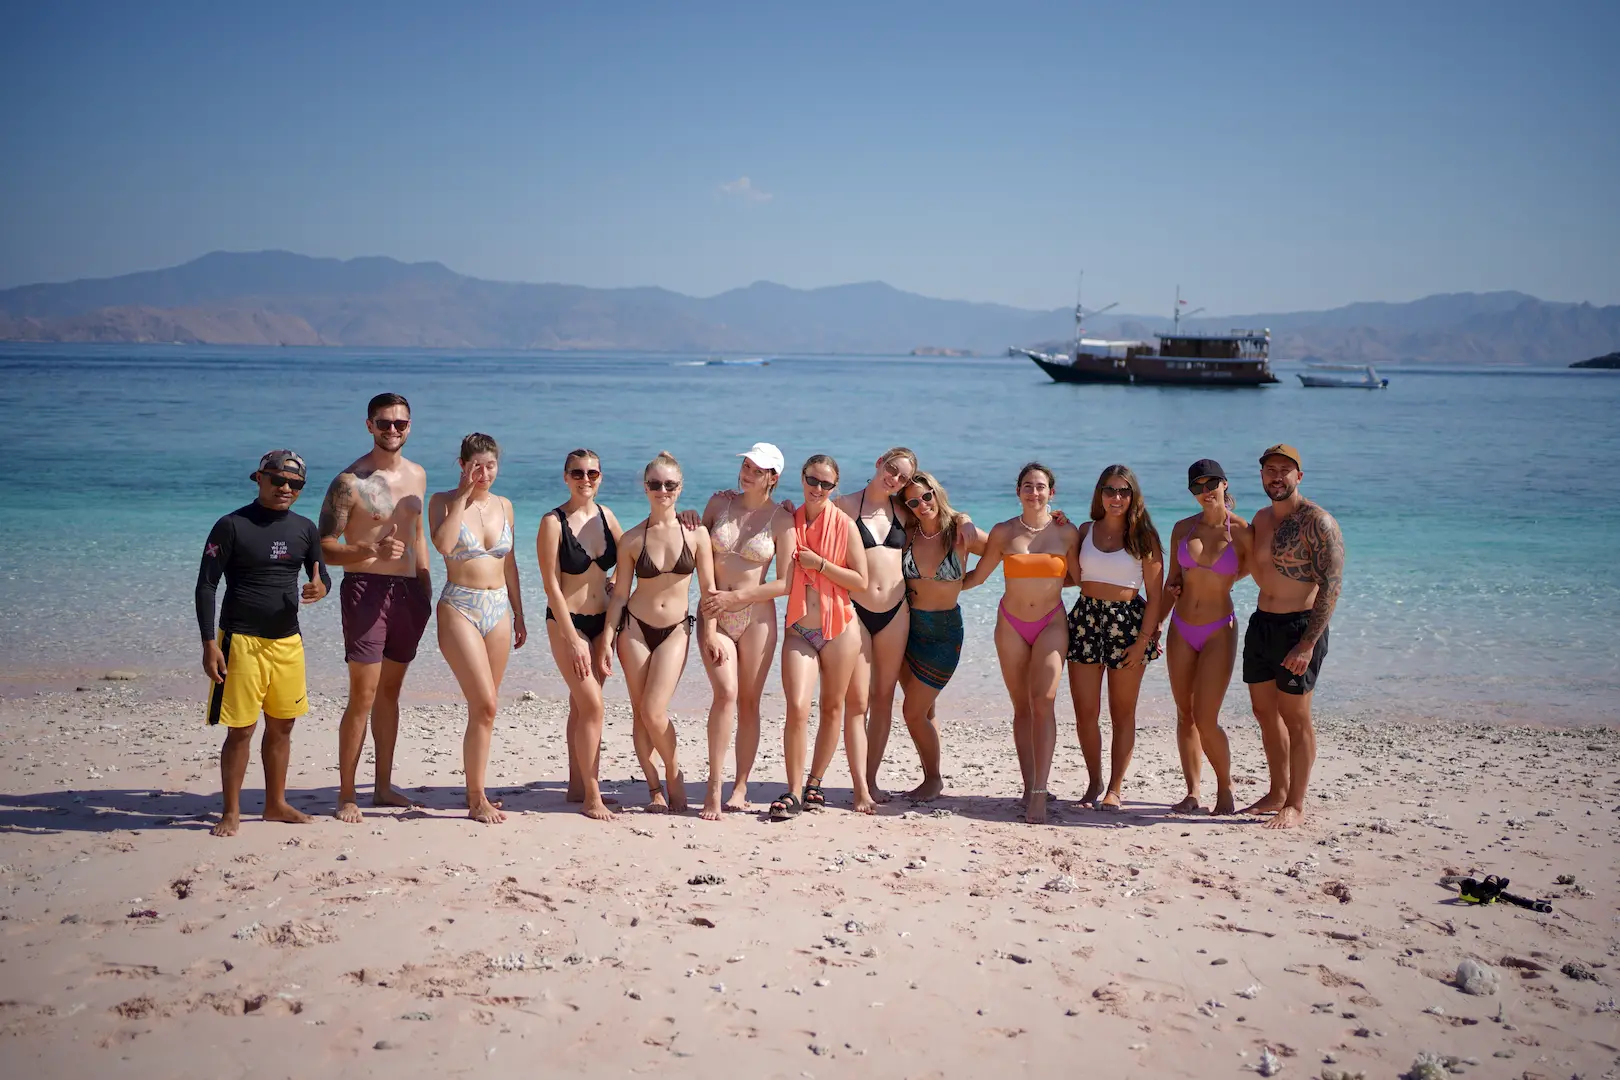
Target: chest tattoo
[{"x": 375, "y": 496}]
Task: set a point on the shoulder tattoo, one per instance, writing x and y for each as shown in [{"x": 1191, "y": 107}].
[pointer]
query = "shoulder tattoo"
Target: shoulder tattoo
[{"x": 1307, "y": 546}]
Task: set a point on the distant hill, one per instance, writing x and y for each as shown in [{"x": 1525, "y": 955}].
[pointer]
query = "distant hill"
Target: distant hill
[{"x": 277, "y": 297}]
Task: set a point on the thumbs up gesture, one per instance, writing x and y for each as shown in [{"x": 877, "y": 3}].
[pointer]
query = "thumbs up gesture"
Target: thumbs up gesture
[{"x": 388, "y": 547}]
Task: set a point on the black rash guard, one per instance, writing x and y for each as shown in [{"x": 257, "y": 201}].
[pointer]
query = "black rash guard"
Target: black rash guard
[{"x": 259, "y": 551}]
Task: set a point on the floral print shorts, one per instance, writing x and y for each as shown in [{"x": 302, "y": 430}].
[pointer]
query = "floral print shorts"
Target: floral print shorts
[{"x": 1101, "y": 630}]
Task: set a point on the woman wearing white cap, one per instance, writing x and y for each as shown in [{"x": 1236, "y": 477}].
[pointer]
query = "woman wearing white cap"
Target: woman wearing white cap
[{"x": 741, "y": 529}]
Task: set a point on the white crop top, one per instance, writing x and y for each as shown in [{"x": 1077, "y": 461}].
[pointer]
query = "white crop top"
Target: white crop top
[{"x": 1109, "y": 567}]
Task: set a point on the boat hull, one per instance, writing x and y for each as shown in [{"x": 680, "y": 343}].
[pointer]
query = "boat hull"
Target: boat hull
[
  {"x": 1330, "y": 383},
  {"x": 1084, "y": 369},
  {"x": 1169, "y": 371}
]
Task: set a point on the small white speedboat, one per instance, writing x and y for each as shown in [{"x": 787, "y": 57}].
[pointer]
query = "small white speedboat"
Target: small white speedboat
[{"x": 1343, "y": 376}]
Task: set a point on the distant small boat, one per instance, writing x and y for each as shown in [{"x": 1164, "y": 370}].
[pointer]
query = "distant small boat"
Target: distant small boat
[
  {"x": 755, "y": 361},
  {"x": 1365, "y": 377}
]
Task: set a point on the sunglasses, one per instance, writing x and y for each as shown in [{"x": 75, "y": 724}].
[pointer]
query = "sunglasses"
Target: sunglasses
[
  {"x": 664, "y": 485},
  {"x": 824, "y": 485},
  {"x": 282, "y": 481},
  {"x": 925, "y": 497},
  {"x": 1199, "y": 487},
  {"x": 894, "y": 470},
  {"x": 1109, "y": 492},
  {"x": 394, "y": 425},
  {"x": 592, "y": 475}
]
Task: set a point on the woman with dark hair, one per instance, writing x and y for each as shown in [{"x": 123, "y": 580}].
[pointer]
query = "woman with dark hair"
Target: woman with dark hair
[
  {"x": 881, "y": 606},
  {"x": 480, "y": 612},
  {"x": 819, "y": 562},
  {"x": 931, "y": 565},
  {"x": 578, "y": 548},
  {"x": 1114, "y": 625},
  {"x": 1212, "y": 550},
  {"x": 652, "y": 626},
  {"x": 1031, "y": 634},
  {"x": 741, "y": 532}
]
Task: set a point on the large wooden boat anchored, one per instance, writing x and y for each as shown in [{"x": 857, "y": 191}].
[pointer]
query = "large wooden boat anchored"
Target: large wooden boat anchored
[{"x": 1238, "y": 358}]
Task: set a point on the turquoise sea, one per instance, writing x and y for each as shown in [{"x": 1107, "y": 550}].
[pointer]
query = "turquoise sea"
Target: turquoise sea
[{"x": 1478, "y": 507}]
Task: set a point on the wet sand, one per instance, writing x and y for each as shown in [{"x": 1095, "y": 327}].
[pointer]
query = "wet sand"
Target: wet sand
[{"x": 942, "y": 940}]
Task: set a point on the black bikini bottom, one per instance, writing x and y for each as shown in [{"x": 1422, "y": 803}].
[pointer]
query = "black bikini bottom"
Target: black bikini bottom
[
  {"x": 589, "y": 625},
  {"x": 875, "y": 621},
  {"x": 654, "y": 636}
]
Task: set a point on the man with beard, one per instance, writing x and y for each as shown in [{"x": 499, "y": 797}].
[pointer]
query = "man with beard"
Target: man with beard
[
  {"x": 371, "y": 525},
  {"x": 1299, "y": 566}
]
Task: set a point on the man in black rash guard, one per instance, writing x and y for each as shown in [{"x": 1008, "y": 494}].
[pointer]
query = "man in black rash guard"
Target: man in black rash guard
[{"x": 257, "y": 658}]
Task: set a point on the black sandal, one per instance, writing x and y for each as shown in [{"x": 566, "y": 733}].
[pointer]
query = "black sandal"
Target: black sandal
[
  {"x": 814, "y": 797},
  {"x": 785, "y": 806}
]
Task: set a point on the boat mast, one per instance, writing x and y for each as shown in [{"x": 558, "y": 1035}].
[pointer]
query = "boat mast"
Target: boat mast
[{"x": 1176, "y": 315}]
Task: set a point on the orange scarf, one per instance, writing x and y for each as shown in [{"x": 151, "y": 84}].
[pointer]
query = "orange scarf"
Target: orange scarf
[{"x": 827, "y": 536}]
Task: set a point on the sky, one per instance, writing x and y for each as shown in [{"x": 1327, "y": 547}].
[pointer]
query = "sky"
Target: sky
[{"x": 1262, "y": 156}]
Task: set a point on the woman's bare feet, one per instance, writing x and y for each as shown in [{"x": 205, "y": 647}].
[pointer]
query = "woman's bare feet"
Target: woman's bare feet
[
  {"x": 285, "y": 813},
  {"x": 711, "y": 804},
  {"x": 228, "y": 824},
  {"x": 878, "y": 794},
  {"x": 1287, "y": 818},
  {"x": 394, "y": 798},
  {"x": 926, "y": 791},
  {"x": 486, "y": 811},
  {"x": 596, "y": 809},
  {"x": 1225, "y": 803},
  {"x": 579, "y": 797},
  {"x": 738, "y": 803},
  {"x": 867, "y": 805},
  {"x": 676, "y": 786},
  {"x": 1112, "y": 802},
  {"x": 1035, "y": 811},
  {"x": 348, "y": 812},
  {"x": 1272, "y": 803},
  {"x": 1189, "y": 805},
  {"x": 1093, "y": 789}
]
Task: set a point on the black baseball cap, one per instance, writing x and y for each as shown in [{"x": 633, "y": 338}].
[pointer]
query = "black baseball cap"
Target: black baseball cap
[
  {"x": 285, "y": 461},
  {"x": 1205, "y": 467}
]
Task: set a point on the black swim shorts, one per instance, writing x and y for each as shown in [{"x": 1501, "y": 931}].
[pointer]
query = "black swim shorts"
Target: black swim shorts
[{"x": 1270, "y": 638}]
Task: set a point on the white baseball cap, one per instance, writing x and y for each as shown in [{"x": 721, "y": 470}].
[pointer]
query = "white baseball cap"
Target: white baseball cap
[{"x": 765, "y": 455}]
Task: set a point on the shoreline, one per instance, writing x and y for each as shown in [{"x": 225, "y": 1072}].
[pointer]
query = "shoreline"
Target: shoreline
[{"x": 948, "y": 937}]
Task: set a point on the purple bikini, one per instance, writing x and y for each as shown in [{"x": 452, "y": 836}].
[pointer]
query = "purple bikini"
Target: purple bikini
[{"x": 1197, "y": 635}]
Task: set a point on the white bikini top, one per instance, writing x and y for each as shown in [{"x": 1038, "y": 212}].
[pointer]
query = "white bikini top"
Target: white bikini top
[{"x": 1109, "y": 567}]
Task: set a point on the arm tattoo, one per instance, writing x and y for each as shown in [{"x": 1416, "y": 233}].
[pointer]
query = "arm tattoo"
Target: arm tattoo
[
  {"x": 335, "y": 507},
  {"x": 1307, "y": 546}
]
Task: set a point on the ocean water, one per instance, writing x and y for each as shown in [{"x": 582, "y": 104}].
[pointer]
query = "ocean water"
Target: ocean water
[{"x": 1478, "y": 507}]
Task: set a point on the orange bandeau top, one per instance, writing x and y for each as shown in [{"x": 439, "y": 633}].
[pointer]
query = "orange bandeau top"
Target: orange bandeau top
[{"x": 1034, "y": 566}]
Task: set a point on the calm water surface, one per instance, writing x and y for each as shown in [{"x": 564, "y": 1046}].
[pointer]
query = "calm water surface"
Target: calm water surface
[{"x": 1477, "y": 507}]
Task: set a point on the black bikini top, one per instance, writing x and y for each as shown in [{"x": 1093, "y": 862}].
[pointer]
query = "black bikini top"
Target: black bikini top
[
  {"x": 897, "y": 536},
  {"x": 572, "y": 558},
  {"x": 684, "y": 562}
]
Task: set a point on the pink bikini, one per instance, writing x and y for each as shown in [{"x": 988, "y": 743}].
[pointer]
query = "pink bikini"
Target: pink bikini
[{"x": 1197, "y": 635}]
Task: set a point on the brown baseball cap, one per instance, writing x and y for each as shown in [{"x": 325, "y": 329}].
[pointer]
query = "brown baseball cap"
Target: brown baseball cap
[{"x": 1285, "y": 450}]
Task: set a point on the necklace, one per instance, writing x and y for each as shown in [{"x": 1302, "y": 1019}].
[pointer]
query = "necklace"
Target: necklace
[
  {"x": 930, "y": 536},
  {"x": 1031, "y": 528}
]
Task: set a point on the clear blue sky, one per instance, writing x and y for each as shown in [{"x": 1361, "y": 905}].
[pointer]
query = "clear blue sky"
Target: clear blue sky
[{"x": 1264, "y": 156}]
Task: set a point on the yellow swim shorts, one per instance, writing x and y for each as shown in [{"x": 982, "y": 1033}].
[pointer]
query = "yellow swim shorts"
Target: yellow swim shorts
[{"x": 261, "y": 675}]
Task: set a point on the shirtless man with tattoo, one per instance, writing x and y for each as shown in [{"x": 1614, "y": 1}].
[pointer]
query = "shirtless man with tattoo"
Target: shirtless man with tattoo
[
  {"x": 371, "y": 526},
  {"x": 1299, "y": 566}
]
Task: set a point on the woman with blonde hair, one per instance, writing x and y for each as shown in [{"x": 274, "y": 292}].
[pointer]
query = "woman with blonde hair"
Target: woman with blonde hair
[
  {"x": 577, "y": 546},
  {"x": 480, "y": 611},
  {"x": 880, "y": 608},
  {"x": 1031, "y": 634},
  {"x": 931, "y": 565},
  {"x": 652, "y": 624},
  {"x": 1114, "y": 625}
]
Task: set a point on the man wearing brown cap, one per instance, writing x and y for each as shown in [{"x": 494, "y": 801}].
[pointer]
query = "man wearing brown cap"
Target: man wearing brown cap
[
  {"x": 1299, "y": 566},
  {"x": 256, "y": 657}
]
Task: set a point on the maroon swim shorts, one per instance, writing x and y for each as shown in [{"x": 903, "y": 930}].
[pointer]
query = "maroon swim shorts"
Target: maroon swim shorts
[{"x": 384, "y": 616}]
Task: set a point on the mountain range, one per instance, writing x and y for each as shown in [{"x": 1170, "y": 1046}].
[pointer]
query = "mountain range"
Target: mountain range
[{"x": 281, "y": 298}]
